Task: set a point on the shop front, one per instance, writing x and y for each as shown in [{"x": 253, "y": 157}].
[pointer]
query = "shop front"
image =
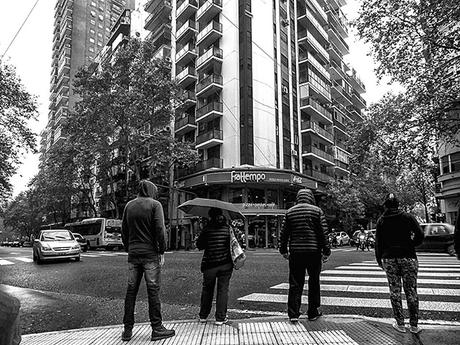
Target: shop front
[{"x": 262, "y": 195}]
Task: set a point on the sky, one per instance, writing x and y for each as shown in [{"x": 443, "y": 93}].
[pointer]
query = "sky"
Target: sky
[{"x": 31, "y": 52}]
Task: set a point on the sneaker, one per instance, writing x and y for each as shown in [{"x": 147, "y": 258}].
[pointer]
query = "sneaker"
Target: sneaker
[
  {"x": 127, "y": 335},
  {"x": 203, "y": 320},
  {"x": 415, "y": 329},
  {"x": 294, "y": 319},
  {"x": 316, "y": 317},
  {"x": 221, "y": 322},
  {"x": 399, "y": 328},
  {"x": 162, "y": 333}
]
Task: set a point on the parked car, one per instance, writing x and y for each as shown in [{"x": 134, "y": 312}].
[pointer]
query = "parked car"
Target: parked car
[
  {"x": 439, "y": 237},
  {"x": 82, "y": 241},
  {"x": 342, "y": 238},
  {"x": 15, "y": 244},
  {"x": 5, "y": 244},
  {"x": 55, "y": 244}
]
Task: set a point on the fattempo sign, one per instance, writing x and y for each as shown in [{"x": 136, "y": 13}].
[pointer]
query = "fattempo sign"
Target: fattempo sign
[{"x": 246, "y": 176}]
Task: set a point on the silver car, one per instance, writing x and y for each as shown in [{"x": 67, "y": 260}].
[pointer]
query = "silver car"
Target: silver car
[{"x": 55, "y": 244}]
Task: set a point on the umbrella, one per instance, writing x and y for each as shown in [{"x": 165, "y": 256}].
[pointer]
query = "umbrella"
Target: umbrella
[{"x": 201, "y": 206}]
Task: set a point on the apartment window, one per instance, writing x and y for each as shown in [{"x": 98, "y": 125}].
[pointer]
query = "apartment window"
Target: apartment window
[
  {"x": 99, "y": 34},
  {"x": 93, "y": 22},
  {"x": 92, "y": 40},
  {"x": 93, "y": 3},
  {"x": 445, "y": 164},
  {"x": 99, "y": 43},
  {"x": 93, "y": 14},
  {"x": 455, "y": 161},
  {"x": 91, "y": 49},
  {"x": 92, "y": 31}
]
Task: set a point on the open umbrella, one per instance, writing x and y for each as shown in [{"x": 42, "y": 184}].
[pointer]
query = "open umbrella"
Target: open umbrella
[{"x": 201, "y": 206}]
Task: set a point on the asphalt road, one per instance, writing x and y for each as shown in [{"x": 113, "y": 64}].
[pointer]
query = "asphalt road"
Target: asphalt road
[{"x": 65, "y": 295}]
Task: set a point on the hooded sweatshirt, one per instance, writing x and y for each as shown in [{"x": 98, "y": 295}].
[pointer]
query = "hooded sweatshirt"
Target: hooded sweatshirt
[
  {"x": 397, "y": 235},
  {"x": 304, "y": 229},
  {"x": 143, "y": 227}
]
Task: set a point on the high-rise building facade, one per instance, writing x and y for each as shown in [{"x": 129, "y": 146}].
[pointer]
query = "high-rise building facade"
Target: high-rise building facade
[
  {"x": 269, "y": 99},
  {"x": 81, "y": 30}
]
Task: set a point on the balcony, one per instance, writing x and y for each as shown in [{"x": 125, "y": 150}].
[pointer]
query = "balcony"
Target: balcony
[
  {"x": 151, "y": 5},
  {"x": 211, "y": 84},
  {"x": 209, "y": 139},
  {"x": 60, "y": 116},
  {"x": 337, "y": 72},
  {"x": 208, "y": 10},
  {"x": 211, "y": 33},
  {"x": 307, "y": 57},
  {"x": 310, "y": 126},
  {"x": 358, "y": 101},
  {"x": 185, "y": 125},
  {"x": 186, "y": 10},
  {"x": 159, "y": 15},
  {"x": 189, "y": 99},
  {"x": 339, "y": 93},
  {"x": 342, "y": 147},
  {"x": 321, "y": 90},
  {"x": 321, "y": 176},
  {"x": 356, "y": 81},
  {"x": 309, "y": 21},
  {"x": 355, "y": 114},
  {"x": 161, "y": 36},
  {"x": 340, "y": 126},
  {"x": 186, "y": 77},
  {"x": 314, "y": 44},
  {"x": 209, "y": 111},
  {"x": 163, "y": 52},
  {"x": 312, "y": 107},
  {"x": 311, "y": 151},
  {"x": 186, "y": 31},
  {"x": 317, "y": 10},
  {"x": 213, "y": 56},
  {"x": 343, "y": 167},
  {"x": 338, "y": 41},
  {"x": 338, "y": 20},
  {"x": 200, "y": 166},
  {"x": 62, "y": 100},
  {"x": 186, "y": 55}
]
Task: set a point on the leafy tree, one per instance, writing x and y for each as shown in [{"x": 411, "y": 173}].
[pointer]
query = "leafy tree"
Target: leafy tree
[
  {"x": 21, "y": 216},
  {"x": 417, "y": 43},
  {"x": 120, "y": 126},
  {"x": 17, "y": 107}
]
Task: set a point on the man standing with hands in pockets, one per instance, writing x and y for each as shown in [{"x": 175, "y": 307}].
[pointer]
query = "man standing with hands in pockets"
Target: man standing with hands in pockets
[
  {"x": 304, "y": 232},
  {"x": 143, "y": 234}
]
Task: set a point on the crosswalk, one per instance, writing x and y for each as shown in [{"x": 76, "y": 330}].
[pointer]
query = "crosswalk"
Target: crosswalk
[
  {"x": 363, "y": 285},
  {"x": 12, "y": 260}
]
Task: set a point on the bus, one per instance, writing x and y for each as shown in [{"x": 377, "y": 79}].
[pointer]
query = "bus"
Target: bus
[{"x": 99, "y": 232}]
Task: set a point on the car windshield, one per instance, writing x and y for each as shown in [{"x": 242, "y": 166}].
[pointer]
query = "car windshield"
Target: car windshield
[
  {"x": 56, "y": 236},
  {"x": 437, "y": 229}
]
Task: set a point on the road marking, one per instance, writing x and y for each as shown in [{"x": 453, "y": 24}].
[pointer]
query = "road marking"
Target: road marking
[
  {"x": 23, "y": 259},
  {"x": 382, "y": 273},
  {"x": 372, "y": 289},
  {"x": 353, "y": 302},
  {"x": 5, "y": 262},
  {"x": 374, "y": 264},
  {"x": 424, "y": 268},
  {"x": 384, "y": 280}
]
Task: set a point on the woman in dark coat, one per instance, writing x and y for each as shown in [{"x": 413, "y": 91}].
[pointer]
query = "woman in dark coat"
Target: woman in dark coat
[
  {"x": 397, "y": 235},
  {"x": 216, "y": 265}
]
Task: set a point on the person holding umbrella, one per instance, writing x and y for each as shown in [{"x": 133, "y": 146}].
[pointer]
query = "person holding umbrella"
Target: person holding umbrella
[{"x": 216, "y": 265}]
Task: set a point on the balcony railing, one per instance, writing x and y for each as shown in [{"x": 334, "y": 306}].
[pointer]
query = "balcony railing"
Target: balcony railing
[
  {"x": 188, "y": 71},
  {"x": 318, "y": 175},
  {"x": 314, "y": 42},
  {"x": 342, "y": 165},
  {"x": 210, "y": 79},
  {"x": 210, "y": 27},
  {"x": 209, "y": 163},
  {"x": 208, "y": 108},
  {"x": 320, "y": 153},
  {"x": 188, "y": 48},
  {"x": 317, "y": 25},
  {"x": 207, "y": 5},
  {"x": 308, "y": 101},
  {"x": 184, "y": 5},
  {"x": 188, "y": 120},
  {"x": 189, "y": 24},
  {"x": 316, "y": 128},
  {"x": 206, "y": 136},
  {"x": 212, "y": 52}
]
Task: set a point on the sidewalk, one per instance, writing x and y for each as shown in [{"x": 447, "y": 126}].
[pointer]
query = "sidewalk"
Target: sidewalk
[{"x": 330, "y": 330}]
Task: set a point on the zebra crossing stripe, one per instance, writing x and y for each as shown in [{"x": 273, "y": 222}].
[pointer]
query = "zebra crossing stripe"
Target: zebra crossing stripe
[
  {"x": 373, "y": 289},
  {"x": 368, "y": 264},
  {"x": 382, "y": 273},
  {"x": 353, "y": 302},
  {"x": 5, "y": 262},
  {"x": 377, "y": 268},
  {"x": 23, "y": 259},
  {"x": 384, "y": 280}
]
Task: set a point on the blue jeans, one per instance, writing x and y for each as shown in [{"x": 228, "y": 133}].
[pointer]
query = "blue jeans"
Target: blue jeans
[
  {"x": 151, "y": 269},
  {"x": 222, "y": 274}
]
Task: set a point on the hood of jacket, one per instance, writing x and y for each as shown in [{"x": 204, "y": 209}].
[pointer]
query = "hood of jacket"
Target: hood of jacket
[
  {"x": 147, "y": 189},
  {"x": 391, "y": 212},
  {"x": 305, "y": 196}
]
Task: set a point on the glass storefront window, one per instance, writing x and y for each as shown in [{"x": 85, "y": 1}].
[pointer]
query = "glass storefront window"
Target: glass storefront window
[
  {"x": 289, "y": 198},
  {"x": 215, "y": 193},
  {"x": 272, "y": 196},
  {"x": 256, "y": 196},
  {"x": 235, "y": 195}
]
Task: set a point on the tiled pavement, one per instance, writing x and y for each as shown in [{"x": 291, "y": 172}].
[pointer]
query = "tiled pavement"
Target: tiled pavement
[{"x": 328, "y": 330}]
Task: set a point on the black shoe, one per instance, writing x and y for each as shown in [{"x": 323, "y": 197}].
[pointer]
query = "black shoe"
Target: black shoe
[
  {"x": 162, "y": 333},
  {"x": 315, "y": 317},
  {"x": 127, "y": 335}
]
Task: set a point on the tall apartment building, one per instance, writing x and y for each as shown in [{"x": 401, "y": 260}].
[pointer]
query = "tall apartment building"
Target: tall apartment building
[
  {"x": 81, "y": 30},
  {"x": 269, "y": 100}
]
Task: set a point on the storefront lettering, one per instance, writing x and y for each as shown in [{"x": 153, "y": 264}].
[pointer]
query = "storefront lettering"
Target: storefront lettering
[
  {"x": 243, "y": 177},
  {"x": 259, "y": 206},
  {"x": 296, "y": 179}
]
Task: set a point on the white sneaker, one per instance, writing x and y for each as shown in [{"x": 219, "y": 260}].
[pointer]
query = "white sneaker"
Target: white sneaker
[
  {"x": 220, "y": 323},
  {"x": 415, "y": 329},
  {"x": 203, "y": 320},
  {"x": 399, "y": 328}
]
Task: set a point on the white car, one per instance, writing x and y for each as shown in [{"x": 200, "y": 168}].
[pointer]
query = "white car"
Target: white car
[
  {"x": 55, "y": 244},
  {"x": 342, "y": 238}
]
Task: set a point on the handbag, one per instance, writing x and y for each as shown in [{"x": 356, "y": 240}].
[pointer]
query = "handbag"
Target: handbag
[{"x": 237, "y": 253}]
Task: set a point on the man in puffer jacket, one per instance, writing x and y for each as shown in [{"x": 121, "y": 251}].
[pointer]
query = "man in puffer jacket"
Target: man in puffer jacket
[{"x": 304, "y": 232}]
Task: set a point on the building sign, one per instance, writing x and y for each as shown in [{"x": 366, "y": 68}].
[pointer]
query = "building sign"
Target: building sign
[
  {"x": 260, "y": 206},
  {"x": 246, "y": 176}
]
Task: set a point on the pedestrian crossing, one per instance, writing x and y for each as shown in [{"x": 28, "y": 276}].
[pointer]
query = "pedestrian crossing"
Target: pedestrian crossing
[
  {"x": 11, "y": 260},
  {"x": 364, "y": 286}
]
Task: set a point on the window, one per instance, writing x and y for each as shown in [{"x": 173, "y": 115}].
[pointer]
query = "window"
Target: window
[
  {"x": 445, "y": 165},
  {"x": 92, "y": 40},
  {"x": 92, "y": 31},
  {"x": 93, "y": 22},
  {"x": 93, "y": 14},
  {"x": 101, "y": 17},
  {"x": 455, "y": 161},
  {"x": 235, "y": 195}
]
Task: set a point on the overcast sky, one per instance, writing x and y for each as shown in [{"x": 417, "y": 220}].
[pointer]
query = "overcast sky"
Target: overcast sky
[{"x": 31, "y": 51}]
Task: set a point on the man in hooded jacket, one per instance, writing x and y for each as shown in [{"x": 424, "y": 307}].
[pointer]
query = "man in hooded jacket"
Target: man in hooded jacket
[
  {"x": 304, "y": 232},
  {"x": 143, "y": 235}
]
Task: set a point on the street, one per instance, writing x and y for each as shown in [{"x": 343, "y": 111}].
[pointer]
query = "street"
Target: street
[{"x": 65, "y": 295}]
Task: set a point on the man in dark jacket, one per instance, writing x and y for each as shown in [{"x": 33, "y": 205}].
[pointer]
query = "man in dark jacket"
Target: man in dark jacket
[
  {"x": 457, "y": 235},
  {"x": 305, "y": 232},
  {"x": 397, "y": 235},
  {"x": 143, "y": 235}
]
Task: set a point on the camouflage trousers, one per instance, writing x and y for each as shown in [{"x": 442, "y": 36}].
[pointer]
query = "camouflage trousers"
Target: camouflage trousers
[{"x": 404, "y": 269}]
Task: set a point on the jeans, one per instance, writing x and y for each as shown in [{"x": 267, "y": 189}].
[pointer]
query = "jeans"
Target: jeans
[
  {"x": 298, "y": 264},
  {"x": 405, "y": 269},
  {"x": 222, "y": 274},
  {"x": 151, "y": 269}
]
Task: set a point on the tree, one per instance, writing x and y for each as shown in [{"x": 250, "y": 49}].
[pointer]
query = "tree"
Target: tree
[
  {"x": 120, "y": 128},
  {"x": 17, "y": 107},
  {"x": 21, "y": 216},
  {"x": 417, "y": 43}
]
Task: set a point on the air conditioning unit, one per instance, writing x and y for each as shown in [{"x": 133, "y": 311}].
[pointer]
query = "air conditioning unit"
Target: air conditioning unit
[
  {"x": 285, "y": 89},
  {"x": 294, "y": 152}
]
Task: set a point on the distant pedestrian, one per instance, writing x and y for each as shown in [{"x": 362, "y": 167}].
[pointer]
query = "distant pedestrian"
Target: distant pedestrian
[
  {"x": 397, "y": 235},
  {"x": 303, "y": 243},
  {"x": 216, "y": 265},
  {"x": 457, "y": 235},
  {"x": 143, "y": 234}
]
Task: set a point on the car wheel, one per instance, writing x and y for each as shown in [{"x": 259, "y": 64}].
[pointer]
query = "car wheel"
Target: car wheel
[
  {"x": 34, "y": 257},
  {"x": 85, "y": 248},
  {"x": 77, "y": 258},
  {"x": 451, "y": 250}
]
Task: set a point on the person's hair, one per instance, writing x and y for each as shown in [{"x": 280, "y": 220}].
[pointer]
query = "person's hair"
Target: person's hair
[{"x": 391, "y": 201}]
